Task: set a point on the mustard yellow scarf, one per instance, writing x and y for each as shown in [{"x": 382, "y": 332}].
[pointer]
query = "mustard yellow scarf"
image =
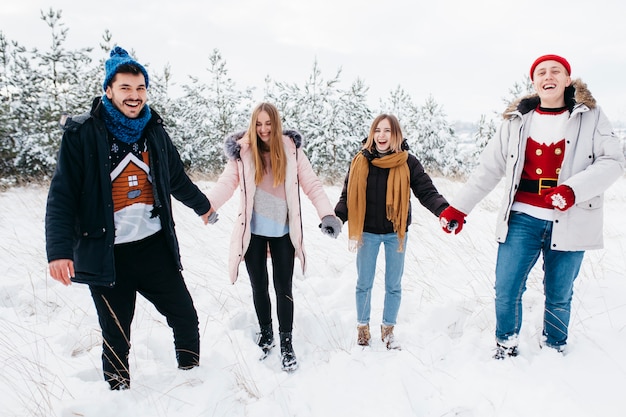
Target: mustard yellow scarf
[{"x": 396, "y": 199}]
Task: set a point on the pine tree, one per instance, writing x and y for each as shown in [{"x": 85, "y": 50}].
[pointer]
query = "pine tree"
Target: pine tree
[
  {"x": 519, "y": 90},
  {"x": 46, "y": 84},
  {"x": 400, "y": 104},
  {"x": 206, "y": 114},
  {"x": 436, "y": 143},
  {"x": 8, "y": 124},
  {"x": 486, "y": 129},
  {"x": 332, "y": 121},
  {"x": 355, "y": 119}
]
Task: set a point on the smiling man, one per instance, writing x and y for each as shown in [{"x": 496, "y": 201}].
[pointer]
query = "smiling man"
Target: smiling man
[
  {"x": 558, "y": 154},
  {"x": 109, "y": 216}
]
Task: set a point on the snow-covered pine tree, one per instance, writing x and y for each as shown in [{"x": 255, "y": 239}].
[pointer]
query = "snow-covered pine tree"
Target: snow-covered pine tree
[
  {"x": 44, "y": 85},
  {"x": 206, "y": 114},
  {"x": 519, "y": 90},
  {"x": 435, "y": 143},
  {"x": 400, "y": 104},
  {"x": 485, "y": 131},
  {"x": 8, "y": 122},
  {"x": 167, "y": 107},
  {"x": 332, "y": 121},
  {"x": 355, "y": 119}
]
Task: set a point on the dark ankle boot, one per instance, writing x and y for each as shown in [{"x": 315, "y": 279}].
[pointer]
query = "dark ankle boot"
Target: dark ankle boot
[
  {"x": 265, "y": 338},
  {"x": 287, "y": 356}
]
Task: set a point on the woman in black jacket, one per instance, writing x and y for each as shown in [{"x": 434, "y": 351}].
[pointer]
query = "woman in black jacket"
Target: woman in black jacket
[{"x": 375, "y": 202}]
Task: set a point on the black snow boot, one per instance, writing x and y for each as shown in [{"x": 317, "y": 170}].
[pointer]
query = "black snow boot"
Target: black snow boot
[
  {"x": 265, "y": 339},
  {"x": 287, "y": 356}
]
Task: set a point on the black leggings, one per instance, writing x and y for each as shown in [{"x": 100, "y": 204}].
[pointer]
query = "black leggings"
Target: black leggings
[
  {"x": 282, "y": 253},
  {"x": 146, "y": 267}
]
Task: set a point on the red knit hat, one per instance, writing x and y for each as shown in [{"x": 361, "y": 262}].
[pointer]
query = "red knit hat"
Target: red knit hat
[{"x": 556, "y": 58}]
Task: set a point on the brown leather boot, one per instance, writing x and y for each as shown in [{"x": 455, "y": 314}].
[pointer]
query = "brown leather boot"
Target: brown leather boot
[
  {"x": 363, "y": 337},
  {"x": 386, "y": 335}
]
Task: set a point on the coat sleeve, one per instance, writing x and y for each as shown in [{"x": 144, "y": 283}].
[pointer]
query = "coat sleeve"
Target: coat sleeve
[
  {"x": 182, "y": 188},
  {"x": 225, "y": 185},
  {"x": 312, "y": 186},
  {"x": 490, "y": 170},
  {"x": 424, "y": 189},
  {"x": 607, "y": 165},
  {"x": 341, "y": 208},
  {"x": 63, "y": 199}
]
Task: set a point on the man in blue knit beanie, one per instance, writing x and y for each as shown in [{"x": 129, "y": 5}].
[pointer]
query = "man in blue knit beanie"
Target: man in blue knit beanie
[{"x": 109, "y": 217}]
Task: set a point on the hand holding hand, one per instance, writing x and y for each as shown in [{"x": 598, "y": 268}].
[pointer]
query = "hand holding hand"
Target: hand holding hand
[
  {"x": 210, "y": 217},
  {"x": 331, "y": 226},
  {"x": 452, "y": 220},
  {"x": 562, "y": 197}
]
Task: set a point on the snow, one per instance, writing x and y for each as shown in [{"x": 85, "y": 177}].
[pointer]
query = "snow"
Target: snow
[{"x": 50, "y": 342}]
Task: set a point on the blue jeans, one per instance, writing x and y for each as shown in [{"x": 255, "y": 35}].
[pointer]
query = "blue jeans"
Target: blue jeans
[
  {"x": 529, "y": 237},
  {"x": 366, "y": 269}
]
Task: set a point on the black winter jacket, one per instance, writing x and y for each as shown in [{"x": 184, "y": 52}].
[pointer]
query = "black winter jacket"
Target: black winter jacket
[
  {"x": 79, "y": 212},
  {"x": 375, "y": 211}
]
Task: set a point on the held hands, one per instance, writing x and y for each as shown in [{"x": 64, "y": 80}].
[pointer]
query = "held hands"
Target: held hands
[
  {"x": 210, "y": 217},
  {"x": 331, "y": 226},
  {"x": 213, "y": 218},
  {"x": 452, "y": 220},
  {"x": 562, "y": 197}
]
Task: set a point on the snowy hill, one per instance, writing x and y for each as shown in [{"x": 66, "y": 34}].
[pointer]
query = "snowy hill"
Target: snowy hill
[{"x": 50, "y": 342}]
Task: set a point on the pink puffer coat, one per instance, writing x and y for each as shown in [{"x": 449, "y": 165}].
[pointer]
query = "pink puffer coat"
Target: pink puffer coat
[{"x": 239, "y": 173}]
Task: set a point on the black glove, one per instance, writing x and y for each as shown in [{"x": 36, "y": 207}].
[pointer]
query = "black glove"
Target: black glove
[{"x": 331, "y": 226}]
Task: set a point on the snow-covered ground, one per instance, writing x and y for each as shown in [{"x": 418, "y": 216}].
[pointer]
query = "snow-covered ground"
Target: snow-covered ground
[{"x": 50, "y": 342}]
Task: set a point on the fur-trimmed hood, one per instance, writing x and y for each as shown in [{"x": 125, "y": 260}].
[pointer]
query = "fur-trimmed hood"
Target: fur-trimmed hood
[
  {"x": 576, "y": 93},
  {"x": 232, "y": 147}
]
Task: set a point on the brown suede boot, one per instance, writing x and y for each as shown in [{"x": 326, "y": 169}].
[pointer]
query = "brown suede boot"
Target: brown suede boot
[
  {"x": 363, "y": 338},
  {"x": 386, "y": 335}
]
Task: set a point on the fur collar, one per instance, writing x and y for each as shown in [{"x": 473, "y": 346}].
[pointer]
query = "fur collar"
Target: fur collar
[
  {"x": 232, "y": 147},
  {"x": 575, "y": 94}
]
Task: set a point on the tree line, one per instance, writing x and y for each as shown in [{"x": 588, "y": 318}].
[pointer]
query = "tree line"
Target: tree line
[{"x": 37, "y": 87}]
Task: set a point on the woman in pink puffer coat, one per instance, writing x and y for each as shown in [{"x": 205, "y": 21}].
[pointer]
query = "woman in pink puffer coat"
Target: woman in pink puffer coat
[{"x": 269, "y": 168}]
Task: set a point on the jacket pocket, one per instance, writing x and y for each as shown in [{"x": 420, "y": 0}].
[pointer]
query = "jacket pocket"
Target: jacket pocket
[
  {"x": 90, "y": 252},
  {"x": 593, "y": 203}
]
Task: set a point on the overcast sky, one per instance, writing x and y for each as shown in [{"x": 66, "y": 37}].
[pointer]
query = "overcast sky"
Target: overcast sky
[{"x": 466, "y": 53}]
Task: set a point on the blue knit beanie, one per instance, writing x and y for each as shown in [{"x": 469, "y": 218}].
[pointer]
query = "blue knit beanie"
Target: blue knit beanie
[{"x": 119, "y": 56}]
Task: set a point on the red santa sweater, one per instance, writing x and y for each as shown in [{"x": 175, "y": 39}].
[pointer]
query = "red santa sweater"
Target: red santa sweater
[{"x": 542, "y": 164}]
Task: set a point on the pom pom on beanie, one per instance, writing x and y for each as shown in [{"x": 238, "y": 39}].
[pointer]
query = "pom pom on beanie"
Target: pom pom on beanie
[
  {"x": 556, "y": 58},
  {"x": 119, "y": 57}
]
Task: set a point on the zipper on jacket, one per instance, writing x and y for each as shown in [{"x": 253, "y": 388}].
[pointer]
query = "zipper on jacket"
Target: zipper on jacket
[
  {"x": 245, "y": 207},
  {"x": 299, "y": 207},
  {"x": 515, "y": 165}
]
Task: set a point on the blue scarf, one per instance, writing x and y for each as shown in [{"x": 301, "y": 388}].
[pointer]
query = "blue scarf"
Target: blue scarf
[{"x": 123, "y": 128}]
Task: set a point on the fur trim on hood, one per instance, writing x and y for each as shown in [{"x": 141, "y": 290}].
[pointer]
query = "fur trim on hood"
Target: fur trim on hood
[
  {"x": 576, "y": 93},
  {"x": 232, "y": 148}
]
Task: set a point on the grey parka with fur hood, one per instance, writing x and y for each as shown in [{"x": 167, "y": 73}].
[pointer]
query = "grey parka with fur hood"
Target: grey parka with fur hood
[{"x": 593, "y": 160}]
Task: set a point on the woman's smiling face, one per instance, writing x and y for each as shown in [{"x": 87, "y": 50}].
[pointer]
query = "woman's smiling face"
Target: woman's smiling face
[
  {"x": 382, "y": 136},
  {"x": 264, "y": 126}
]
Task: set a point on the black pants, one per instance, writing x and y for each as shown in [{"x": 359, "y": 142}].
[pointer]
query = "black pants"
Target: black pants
[
  {"x": 146, "y": 267},
  {"x": 282, "y": 253}
]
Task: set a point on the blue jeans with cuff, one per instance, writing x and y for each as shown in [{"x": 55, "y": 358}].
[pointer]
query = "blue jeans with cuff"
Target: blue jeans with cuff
[
  {"x": 366, "y": 270},
  {"x": 529, "y": 237}
]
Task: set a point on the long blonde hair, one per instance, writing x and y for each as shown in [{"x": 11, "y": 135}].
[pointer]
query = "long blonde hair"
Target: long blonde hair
[
  {"x": 395, "y": 144},
  {"x": 278, "y": 160}
]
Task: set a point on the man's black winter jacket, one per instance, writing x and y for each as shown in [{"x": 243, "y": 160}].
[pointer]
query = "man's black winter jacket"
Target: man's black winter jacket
[{"x": 79, "y": 213}]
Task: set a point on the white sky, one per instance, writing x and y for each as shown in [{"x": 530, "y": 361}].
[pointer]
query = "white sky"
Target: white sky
[{"x": 467, "y": 54}]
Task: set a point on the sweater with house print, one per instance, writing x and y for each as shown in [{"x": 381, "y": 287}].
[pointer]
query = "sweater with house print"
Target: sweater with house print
[{"x": 133, "y": 197}]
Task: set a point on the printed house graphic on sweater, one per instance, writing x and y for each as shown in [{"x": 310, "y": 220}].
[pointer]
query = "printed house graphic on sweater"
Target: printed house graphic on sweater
[{"x": 133, "y": 199}]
